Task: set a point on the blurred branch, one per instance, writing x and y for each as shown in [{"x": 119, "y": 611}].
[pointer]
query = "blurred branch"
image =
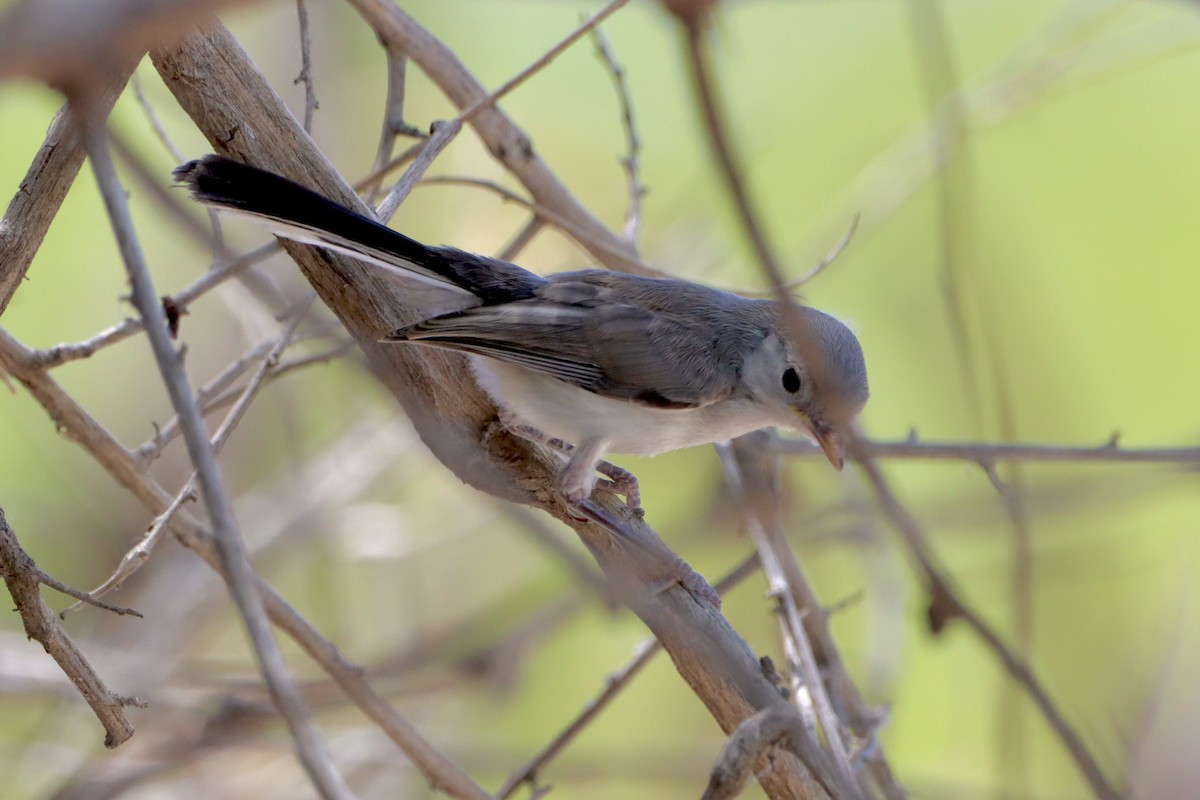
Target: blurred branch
[
  {"x": 984, "y": 454},
  {"x": 613, "y": 685},
  {"x": 218, "y": 86},
  {"x": 946, "y": 605},
  {"x": 138, "y": 555},
  {"x": 953, "y": 187},
  {"x": 78, "y": 425},
  {"x": 71, "y": 44},
  {"x": 43, "y": 189},
  {"x": 633, "y": 144},
  {"x": 239, "y": 575},
  {"x": 694, "y": 18},
  {"x": 508, "y": 144},
  {"x": 23, "y": 578},
  {"x": 753, "y": 475}
]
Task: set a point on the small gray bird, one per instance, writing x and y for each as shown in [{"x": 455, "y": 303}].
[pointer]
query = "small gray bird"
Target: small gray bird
[{"x": 587, "y": 362}]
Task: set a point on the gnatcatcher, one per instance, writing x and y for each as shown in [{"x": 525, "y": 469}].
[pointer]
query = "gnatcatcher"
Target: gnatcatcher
[{"x": 586, "y": 362}]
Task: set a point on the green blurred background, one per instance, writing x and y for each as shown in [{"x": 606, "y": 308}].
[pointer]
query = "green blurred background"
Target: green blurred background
[{"x": 1073, "y": 234}]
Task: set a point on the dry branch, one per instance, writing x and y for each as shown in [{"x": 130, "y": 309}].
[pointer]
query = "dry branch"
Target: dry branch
[
  {"x": 23, "y": 579},
  {"x": 43, "y": 189},
  {"x": 77, "y": 425},
  {"x": 231, "y": 104}
]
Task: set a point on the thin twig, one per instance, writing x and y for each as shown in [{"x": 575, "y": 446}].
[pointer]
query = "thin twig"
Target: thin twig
[
  {"x": 240, "y": 577},
  {"x": 755, "y": 488},
  {"x": 820, "y": 266},
  {"x": 613, "y": 685},
  {"x": 139, "y": 94},
  {"x": 578, "y": 233},
  {"x": 394, "y": 124},
  {"x": 946, "y": 605},
  {"x": 140, "y": 553},
  {"x": 220, "y": 391},
  {"x": 633, "y": 144},
  {"x": 830, "y": 257},
  {"x": 306, "y": 72},
  {"x": 22, "y": 577},
  {"x": 510, "y": 145},
  {"x": 63, "y": 353},
  {"x": 81, "y": 427},
  {"x": 444, "y": 132},
  {"x": 522, "y": 239},
  {"x": 984, "y": 453}
]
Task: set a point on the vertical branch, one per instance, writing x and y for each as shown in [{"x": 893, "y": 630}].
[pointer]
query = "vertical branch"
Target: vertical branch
[
  {"x": 306, "y": 73},
  {"x": 240, "y": 577},
  {"x": 954, "y": 191},
  {"x": 633, "y": 144},
  {"x": 394, "y": 124},
  {"x": 756, "y": 493}
]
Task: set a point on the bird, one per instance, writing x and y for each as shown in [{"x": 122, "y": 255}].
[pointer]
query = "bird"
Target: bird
[{"x": 592, "y": 361}]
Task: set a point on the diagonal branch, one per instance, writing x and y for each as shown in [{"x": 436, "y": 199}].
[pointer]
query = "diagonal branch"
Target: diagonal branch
[
  {"x": 79, "y": 426},
  {"x": 218, "y": 86},
  {"x": 239, "y": 575},
  {"x": 22, "y": 577},
  {"x": 43, "y": 189}
]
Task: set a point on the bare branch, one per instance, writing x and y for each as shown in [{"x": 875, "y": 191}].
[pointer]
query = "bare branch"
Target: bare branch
[
  {"x": 239, "y": 575},
  {"x": 79, "y": 426},
  {"x": 946, "y": 605},
  {"x": 506, "y": 142},
  {"x": 394, "y": 124},
  {"x": 755, "y": 487},
  {"x": 983, "y": 453},
  {"x": 613, "y": 685},
  {"x": 749, "y": 744},
  {"x": 140, "y": 553},
  {"x": 443, "y": 133},
  {"x": 633, "y": 144},
  {"x": 22, "y": 577},
  {"x": 42, "y": 190},
  {"x": 306, "y": 75}
]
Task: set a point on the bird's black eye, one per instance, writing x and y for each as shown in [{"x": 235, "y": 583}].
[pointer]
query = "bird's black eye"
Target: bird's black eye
[{"x": 791, "y": 380}]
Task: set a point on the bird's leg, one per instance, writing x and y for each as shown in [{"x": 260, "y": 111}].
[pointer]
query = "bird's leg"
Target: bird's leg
[{"x": 578, "y": 476}]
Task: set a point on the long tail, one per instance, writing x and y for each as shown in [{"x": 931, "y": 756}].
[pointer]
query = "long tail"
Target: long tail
[{"x": 294, "y": 212}]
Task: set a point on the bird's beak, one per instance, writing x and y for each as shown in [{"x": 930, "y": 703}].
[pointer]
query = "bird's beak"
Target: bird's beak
[{"x": 830, "y": 442}]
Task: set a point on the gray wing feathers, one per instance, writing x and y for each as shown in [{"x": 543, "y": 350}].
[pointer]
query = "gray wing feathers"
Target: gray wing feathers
[{"x": 616, "y": 335}]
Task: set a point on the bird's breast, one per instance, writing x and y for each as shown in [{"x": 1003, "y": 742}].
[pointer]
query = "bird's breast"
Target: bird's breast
[{"x": 568, "y": 412}]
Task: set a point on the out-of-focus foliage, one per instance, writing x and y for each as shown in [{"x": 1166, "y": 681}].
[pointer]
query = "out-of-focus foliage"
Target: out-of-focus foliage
[{"x": 1072, "y": 222}]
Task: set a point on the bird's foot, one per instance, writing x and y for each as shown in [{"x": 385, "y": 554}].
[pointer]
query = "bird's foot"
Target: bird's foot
[{"x": 623, "y": 482}]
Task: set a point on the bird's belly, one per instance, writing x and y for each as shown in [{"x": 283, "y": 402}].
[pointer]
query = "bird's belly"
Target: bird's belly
[{"x": 567, "y": 412}]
